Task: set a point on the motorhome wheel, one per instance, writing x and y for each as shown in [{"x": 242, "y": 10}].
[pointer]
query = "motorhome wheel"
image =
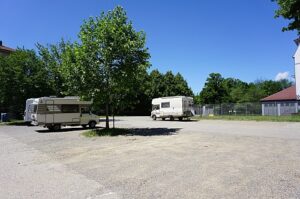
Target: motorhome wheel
[
  {"x": 154, "y": 117},
  {"x": 92, "y": 124}
]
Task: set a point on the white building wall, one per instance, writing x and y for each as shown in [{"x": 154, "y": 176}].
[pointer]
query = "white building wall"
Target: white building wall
[{"x": 297, "y": 68}]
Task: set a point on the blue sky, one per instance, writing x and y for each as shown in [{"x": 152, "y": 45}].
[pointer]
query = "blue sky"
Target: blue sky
[{"x": 237, "y": 38}]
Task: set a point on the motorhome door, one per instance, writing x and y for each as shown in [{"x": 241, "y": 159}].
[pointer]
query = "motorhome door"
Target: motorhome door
[{"x": 85, "y": 114}]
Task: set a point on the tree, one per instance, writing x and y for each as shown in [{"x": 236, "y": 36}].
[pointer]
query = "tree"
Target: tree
[
  {"x": 22, "y": 76},
  {"x": 289, "y": 9},
  {"x": 108, "y": 60},
  {"x": 214, "y": 90},
  {"x": 52, "y": 58}
]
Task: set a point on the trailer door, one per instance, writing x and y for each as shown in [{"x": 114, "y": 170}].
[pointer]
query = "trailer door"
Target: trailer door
[{"x": 49, "y": 115}]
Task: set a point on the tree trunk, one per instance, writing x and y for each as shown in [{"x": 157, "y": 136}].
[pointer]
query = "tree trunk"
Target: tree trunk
[{"x": 106, "y": 114}]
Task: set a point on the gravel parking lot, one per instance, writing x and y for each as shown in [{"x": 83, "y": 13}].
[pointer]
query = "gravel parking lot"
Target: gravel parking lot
[{"x": 164, "y": 159}]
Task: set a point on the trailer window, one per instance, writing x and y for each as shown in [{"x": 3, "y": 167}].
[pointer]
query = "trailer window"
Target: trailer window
[
  {"x": 34, "y": 108},
  {"x": 155, "y": 107},
  {"x": 66, "y": 108},
  {"x": 85, "y": 110},
  {"x": 165, "y": 105}
]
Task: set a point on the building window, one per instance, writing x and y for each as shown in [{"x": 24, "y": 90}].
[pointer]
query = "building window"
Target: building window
[
  {"x": 165, "y": 105},
  {"x": 66, "y": 108}
]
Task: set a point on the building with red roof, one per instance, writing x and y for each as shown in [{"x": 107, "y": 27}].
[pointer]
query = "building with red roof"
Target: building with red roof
[
  {"x": 281, "y": 103},
  {"x": 4, "y": 50}
]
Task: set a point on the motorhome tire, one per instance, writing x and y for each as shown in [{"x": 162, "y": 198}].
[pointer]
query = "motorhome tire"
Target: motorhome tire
[
  {"x": 163, "y": 118},
  {"x": 154, "y": 117},
  {"x": 92, "y": 124},
  {"x": 180, "y": 118},
  {"x": 172, "y": 118}
]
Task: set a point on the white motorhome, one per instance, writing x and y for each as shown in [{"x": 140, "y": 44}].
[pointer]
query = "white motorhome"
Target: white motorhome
[
  {"x": 172, "y": 107},
  {"x": 29, "y": 109},
  {"x": 52, "y": 112}
]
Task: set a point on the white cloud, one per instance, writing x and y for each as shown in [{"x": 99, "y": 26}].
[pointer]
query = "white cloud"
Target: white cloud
[{"x": 281, "y": 76}]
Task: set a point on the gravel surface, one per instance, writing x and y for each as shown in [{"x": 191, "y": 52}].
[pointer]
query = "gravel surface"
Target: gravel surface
[{"x": 163, "y": 159}]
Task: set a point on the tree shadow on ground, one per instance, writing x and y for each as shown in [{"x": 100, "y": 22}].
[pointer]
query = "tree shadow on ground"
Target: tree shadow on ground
[
  {"x": 100, "y": 131},
  {"x": 151, "y": 131},
  {"x": 184, "y": 121}
]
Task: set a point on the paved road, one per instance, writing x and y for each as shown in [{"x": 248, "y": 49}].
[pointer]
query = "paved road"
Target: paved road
[{"x": 164, "y": 159}]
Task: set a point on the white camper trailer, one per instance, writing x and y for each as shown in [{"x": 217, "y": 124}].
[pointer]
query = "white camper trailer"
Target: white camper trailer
[
  {"x": 172, "y": 107},
  {"x": 29, "y": 109},
  {"x": 53, "y": 113}
]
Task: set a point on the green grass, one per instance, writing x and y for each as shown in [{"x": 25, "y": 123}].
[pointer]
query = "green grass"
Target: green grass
[
  {"x": 292, "y": 118},
  {"x": 106, "y": 132},
  {"x": 14, "y": 123}
]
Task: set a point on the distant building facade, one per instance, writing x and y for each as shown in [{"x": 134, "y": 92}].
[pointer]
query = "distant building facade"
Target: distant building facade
[{"x": 4, "y": 50}]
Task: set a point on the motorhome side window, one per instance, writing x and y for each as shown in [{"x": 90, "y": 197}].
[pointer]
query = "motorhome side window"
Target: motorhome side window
[
  {"x": 165, "y": 105},
  {"x": 155, "y": 107},
  {"x": 67, "y": 108}
]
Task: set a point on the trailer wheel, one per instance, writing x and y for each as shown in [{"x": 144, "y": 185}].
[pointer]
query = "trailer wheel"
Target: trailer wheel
[
  {"x": 172, "y": 118},
  {"x": 163, "y": 119},
  {"x": 180, "y": 118},
  {"x": 92, "y": 124},
  {"x": 50, "y": 128},
  {"x": 154, "y": 117},
  {"x": 56, "y": 127}
]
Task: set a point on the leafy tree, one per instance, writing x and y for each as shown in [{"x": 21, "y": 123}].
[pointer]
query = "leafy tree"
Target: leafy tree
[
  {"x": 214, "y": 90},
  {"x": 22, "y": 76},
  {"x": 289, "y": 9},
  {"x": 181, "y": 86},
  {"x": 108, "y": 60},
  {"x": 52, "y": 58},
  {"x": 230, "y": 90}
]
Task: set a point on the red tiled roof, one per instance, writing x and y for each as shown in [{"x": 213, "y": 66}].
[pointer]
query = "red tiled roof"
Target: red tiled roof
[
  {"x": 285, "y": 94},
  {"x": 6, "y": 49}
]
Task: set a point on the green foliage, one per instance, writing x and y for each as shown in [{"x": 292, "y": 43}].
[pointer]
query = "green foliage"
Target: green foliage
[
  {"x": 22, "y": 75},
  {"x": 108, "y": 60},
  {"x": 52, "y": 59},
  {"x": 229, "y": 90},
  {"x": 214, "y": 90},
  {"x": 106, "y": 132},
  {"x": 289, "y": 9}
]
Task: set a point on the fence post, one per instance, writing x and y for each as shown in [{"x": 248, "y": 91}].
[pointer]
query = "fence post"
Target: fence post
[
  {"x": 278, "y": 109},
  {"x": 262, "y": 109}
]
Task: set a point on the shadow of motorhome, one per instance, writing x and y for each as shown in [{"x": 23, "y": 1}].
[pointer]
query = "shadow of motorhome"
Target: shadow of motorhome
[
  {"x": 176, "y": 120},
  {"x": 66, "y": 129}
]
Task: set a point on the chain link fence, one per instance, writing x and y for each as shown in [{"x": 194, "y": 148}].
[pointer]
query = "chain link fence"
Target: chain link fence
[{"x": 249, "y": 108}]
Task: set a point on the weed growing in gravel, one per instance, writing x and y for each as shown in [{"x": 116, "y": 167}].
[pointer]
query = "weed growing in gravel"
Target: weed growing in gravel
[{"x": 106, "y": 132}]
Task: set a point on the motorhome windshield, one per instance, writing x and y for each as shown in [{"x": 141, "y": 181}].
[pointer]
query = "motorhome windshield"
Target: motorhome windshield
[{"x": 155, "y": 107}]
